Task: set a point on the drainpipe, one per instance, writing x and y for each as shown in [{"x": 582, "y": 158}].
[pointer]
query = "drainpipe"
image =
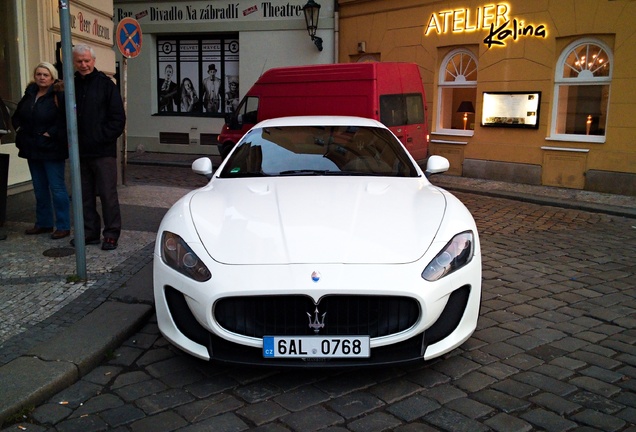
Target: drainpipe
[{"x": 336, "y": 31}]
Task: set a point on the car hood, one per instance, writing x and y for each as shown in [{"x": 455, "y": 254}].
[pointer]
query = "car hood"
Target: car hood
[{"x": 317, "y": 219}]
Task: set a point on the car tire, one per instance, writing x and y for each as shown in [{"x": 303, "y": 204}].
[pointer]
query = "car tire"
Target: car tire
[{"x": 226, "y": 148}]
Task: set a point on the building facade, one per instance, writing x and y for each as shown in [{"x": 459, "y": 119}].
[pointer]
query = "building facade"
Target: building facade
[
  {"x": 194, "y": 60},
  {"x": 532, "y": 92},
  {"x": 29, "y": 34},
  {"x": 198, "y": 58}
]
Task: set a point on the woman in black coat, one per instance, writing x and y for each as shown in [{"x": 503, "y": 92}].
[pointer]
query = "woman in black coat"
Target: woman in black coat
[{"x": 40, "y": 125}]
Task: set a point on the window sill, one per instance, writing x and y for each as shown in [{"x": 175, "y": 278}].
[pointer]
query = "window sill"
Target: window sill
[
  {"x": 598, "y": 139},
  {"x": 565, "y": 149},
  {"x": 439, "y": 141},
  {"x": 454, "y": 132}
]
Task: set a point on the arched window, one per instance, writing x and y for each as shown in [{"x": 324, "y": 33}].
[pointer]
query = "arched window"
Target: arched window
[
  {"x": 581, "y": 92},
  {"x": 457, "y": 93}
]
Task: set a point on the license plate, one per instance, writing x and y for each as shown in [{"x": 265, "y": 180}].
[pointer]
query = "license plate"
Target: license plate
[{"x": 315, "y": 346}]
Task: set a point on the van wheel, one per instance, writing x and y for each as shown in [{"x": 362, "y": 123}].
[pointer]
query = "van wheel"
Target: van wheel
[{"x": 226, "y": 148}]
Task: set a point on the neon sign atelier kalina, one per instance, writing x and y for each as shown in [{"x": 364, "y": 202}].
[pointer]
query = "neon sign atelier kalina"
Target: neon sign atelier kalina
[{"x": 493, "y": 17}]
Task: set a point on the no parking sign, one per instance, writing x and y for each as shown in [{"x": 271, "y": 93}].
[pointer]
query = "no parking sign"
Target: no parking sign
[{"x": 129, "y": 37}]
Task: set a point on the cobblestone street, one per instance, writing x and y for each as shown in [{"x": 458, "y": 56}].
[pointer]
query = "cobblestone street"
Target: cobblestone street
[{"x": 555, "y": 350}]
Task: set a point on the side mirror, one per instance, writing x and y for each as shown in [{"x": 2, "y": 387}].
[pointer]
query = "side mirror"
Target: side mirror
[
  {"x": 436, "y": 164},
  {"x": 203, "y": 166}
]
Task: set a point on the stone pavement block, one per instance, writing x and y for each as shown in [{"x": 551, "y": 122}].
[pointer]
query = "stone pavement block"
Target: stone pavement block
[
  {"x": 343, "y": 384},
  {"x": 523, "y": 361},
  {"x": 98, "y": 404},
  {"x": 154, "y": 355},
  {"x": 102, "y": 374},
  {"x": 451, "y": 420},
  {"x": 427, "y": 378},
  {"x": 183, "y": 378},
  {"x": 100, "y": 331},
  {"x": 196, "y": 411},
  {"x": 133, "y": 392},
  {"x": 163, "y": 422},
  {"x": 125, "y": 356},
  {"x": 595, "y": 359},
  {"x": 548, "y": 421},
  {"x": 395, "y": 390},
  {"x": 470, "y": 408},
  {"x": 214, "y": 385},
  {"x": 355, "y": 404},
  {"x": 596, "y": 402},
  {"x": 555, "y": 403},
  {"x": 546, "y": 383},
  {"x": 515, "y": 388},
  {"x": 122, "y": 415},
  {"x": 138, "y": 289},
  {"x": 595, "y": 386},
  {"x": 501, "y": 401},
  {"x": 76, "y": 394},
  {"x": 499, "y": 370},
  {"x": 28, "y": 381},
  {"x": 128, "y": 378},
  {"x": 444, "y": 393},
  {"x": 599, "y": 420},
  {"x": 262, "y": 412},
  {"x": 504, "y": 423},
  {"x": 375, "y": 422},
  {"x": 301, "y": 398},
  {"x": 51, "y": 413},
  {"x": 604, "y": 375},
  {"x": 629, "y": 415},
  {"x": 413, "y": 408},
  {"x": 83, "y": 424},
  {"x": 474, "y": 381},
  {"x": 168, "y": 399}
]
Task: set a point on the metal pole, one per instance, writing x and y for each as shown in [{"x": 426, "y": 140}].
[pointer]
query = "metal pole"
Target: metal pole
[
  {"x": 124, "y": 146},
  {"x": 71, "y": 125}
]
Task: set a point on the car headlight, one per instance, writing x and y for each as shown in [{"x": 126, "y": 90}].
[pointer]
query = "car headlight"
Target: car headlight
[
  {"x": 177, "y": 254},
  {"x": 456, "y": 254}
]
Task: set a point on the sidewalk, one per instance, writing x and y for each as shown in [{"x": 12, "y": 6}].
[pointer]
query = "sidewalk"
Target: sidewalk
[{"x": 55, "y": 331}]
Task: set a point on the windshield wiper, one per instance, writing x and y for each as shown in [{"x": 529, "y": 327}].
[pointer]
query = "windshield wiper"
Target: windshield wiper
[
  {"x": 307, "y": 172},
  {"x": 245, "y": 174},
  {"x": 310, "y": 172}
]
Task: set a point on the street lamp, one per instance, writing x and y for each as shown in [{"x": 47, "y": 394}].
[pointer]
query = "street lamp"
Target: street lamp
[{"x": 311, "y": 11}]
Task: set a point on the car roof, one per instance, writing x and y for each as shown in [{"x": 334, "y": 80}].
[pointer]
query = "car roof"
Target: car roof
[{"x": 320, "y": 121}]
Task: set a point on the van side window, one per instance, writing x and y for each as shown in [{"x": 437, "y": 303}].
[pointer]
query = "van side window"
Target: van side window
[
  {"x": 247, "y": 111},
  {"x": 401, "y": 109}
]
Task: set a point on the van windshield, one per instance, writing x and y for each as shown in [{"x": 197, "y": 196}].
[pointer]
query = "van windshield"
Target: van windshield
[{"x": 319, "y": 150}]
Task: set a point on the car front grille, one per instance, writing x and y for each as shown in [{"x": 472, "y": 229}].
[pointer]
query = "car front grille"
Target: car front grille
[{"x": 297, "y": 315}]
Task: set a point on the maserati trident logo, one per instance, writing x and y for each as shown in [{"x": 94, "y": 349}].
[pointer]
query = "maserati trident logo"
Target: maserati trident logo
[{"x": 316, "y": 324}]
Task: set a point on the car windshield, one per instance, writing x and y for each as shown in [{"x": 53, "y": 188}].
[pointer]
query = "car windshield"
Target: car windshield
[{"x": 319, "y": 150}]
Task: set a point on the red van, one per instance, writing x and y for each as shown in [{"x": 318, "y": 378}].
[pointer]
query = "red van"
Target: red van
[{"x": 389, "y": 92}]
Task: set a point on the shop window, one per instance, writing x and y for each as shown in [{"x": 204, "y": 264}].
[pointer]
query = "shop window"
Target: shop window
[
  {"x": 457, "y": 93},
  {"x": 197, "y": 76},
  {"x": 581, "y": 93}
]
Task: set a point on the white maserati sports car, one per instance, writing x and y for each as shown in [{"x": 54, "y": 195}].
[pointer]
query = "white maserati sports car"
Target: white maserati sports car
[{"x": 318, "y": 241}]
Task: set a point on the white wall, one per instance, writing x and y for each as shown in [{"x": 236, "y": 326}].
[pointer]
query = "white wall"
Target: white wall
[{"x": 263, "y": 44}]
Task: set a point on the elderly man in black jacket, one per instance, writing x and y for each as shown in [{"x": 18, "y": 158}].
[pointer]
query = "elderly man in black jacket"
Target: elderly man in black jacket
[{"x": 100, "y": 121}]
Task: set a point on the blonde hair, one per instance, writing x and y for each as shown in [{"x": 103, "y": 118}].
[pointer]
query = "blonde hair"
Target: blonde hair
[{"x": 48, "y": 66}]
